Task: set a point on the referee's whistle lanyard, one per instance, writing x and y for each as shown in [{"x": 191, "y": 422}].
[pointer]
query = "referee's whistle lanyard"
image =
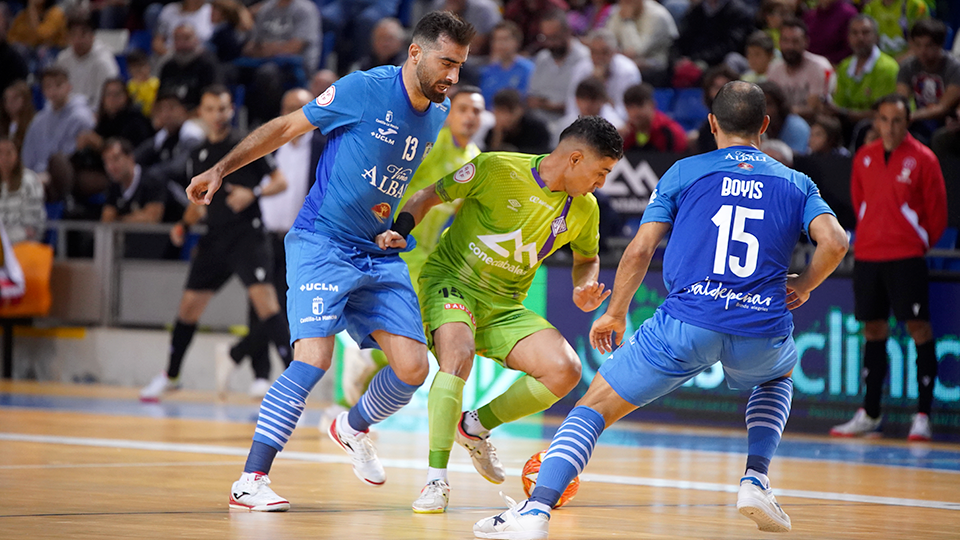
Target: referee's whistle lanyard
[{"x": 559, "y": 225}]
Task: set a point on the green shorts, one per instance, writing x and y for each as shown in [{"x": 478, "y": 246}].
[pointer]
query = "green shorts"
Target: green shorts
[{"x": 498, "y": 323}]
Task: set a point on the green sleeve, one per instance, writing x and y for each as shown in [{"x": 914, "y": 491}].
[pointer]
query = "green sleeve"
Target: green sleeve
[
  {"x": 463, "y": 182},
  {"x": 587, "y": 243}
]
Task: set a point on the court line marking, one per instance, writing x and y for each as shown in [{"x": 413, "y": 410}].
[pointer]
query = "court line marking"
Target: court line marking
[
  {"x": 462, "y": 467},
  {"x": 118, "y": 465}
]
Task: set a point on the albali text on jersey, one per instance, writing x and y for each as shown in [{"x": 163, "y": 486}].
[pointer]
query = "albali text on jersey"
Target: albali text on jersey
[
  {"x": 736, "y": 215},
  {"x": 376, "y": 142},
  {"x": 900, "y": 201}
]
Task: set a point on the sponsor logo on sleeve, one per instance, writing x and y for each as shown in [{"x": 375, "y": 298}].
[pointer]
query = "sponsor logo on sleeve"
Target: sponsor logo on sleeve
[
  {"x": 326, "y": 97},
  {"x": 465, "y": 174}
]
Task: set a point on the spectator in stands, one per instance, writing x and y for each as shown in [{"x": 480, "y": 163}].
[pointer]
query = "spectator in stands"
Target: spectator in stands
[
  {"x": 352, "y": 21},
  {"x": 190, "y": 68},
  {"x": 143, "y": 85},
  {"x": 388, "y": 45},
  {"x": 713, "y": 29},
  {"x": 52, "y": 134},
  {"x": 117, "y": 117},
  {"x": 482, "y": 14},
  {"x": 132, "y": 197},
  {"x": 784, "y": 124},
  {"x": 12, "y": 65},
  {"x": 562, "y": 57},
  {"x": 17, "y": 112},
  {"x": 283, "y": 31},
  {"x": 770, "y": 18},
  {"x": 894, "y": 19},
  {"x": 21, "y": 196},
  {"x": 931, "y": 78},
  {"x": 826, "y": 136},
  {"x": 506, "y": 69},
  {"x": 42, "y": 24},
  {"x": 806, "y": 79},
  {"x": 516, "y": 130},
  {"x": 645, "y": 32},
  {"x": 647, "y": 128},
  {"x": 194, "y": 13},
  {"x": 778, "y": 150},
  {"x": 898, "y": 192},
  {"x": 591, "y": 100},
  {"x": 87, "y": 62},
  {"x": 615, "y": 70},
  {"x": 713, "y": 81},
  {"x": 587, "y": 15},
  {"x": 760, "y": 54},
  {"x": 828, "y": 24},
  {"x": 529, "y": 16},
  {"x": 946, "y": 140},
  {"x": 232, "y": 23},
  {"x": 867, "y": 74}
]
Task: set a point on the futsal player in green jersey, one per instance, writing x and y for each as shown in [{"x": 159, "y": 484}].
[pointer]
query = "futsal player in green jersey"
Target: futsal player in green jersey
[
  {"x": 452, "y": 149},
  {"x": 517, "y": 210}
]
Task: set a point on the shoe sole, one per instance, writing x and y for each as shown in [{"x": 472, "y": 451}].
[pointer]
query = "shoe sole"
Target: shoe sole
[
  {"x": 764, "y": 521},
  {"x": 433, "y": 511},
  {"x": 518, "y": 535},
  {"x": 461, "y": 436},
  {"x": 272, "y": 507},
  {"x": 332, "y": 432},
  {"x": 868, "y": 435},
  {"x": 918, "y": 438}
]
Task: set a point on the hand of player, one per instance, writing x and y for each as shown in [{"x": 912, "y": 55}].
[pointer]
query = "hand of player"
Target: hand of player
[
  {"x": 178, "y": 234},
  {"x": 603, "y": 330},
  {"x": 795, "y": 296},
  {"x": 590, "y": 296},
  {"x": 239, "y": 197},
  {"x": 203, "y": 186},
  {"x": 391, "y": 239}
]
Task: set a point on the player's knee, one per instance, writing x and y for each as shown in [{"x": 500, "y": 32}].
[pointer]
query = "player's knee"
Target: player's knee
[
  {"x": 415, "y": 374},
  {"x": 568, "y": 372},
  {"x": 875, "y": 330},
  {"x": 920, "y": 331},
  {"x": 457, "y": 359}
]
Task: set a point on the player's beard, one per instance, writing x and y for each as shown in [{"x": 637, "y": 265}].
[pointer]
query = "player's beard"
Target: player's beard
[{"x": 428, "y": 87}]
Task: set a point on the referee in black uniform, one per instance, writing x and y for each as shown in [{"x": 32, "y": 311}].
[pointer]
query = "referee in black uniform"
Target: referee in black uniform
[{"x": 235, "y": 243}]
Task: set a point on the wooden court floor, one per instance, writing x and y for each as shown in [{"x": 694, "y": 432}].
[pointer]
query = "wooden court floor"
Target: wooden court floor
[{"x": 127, "y": 470}]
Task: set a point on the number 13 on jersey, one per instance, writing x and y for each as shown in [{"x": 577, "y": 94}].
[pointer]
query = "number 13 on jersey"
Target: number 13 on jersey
[{"x": 738, "y": 216}]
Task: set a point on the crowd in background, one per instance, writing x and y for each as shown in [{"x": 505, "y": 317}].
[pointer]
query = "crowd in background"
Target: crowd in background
[{"x": 90, "y": 130}]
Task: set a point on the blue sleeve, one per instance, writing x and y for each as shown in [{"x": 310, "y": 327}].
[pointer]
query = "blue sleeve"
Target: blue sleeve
[
  {"x": 813, "y": 205},
  {"x": 662, "y": 207},
  {"x": 341, "y": 105}
]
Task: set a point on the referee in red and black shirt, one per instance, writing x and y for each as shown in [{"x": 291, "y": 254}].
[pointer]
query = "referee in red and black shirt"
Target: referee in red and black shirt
[{"x": 899, "y": 196}]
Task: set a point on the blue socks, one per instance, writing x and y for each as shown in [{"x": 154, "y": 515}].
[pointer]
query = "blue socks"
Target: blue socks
[
  {"x": 767, "y": 413},
  {"x": 386, "y": 395},
  {"x": 568, "y": 454},
  {"x": 279, "y": 412}
]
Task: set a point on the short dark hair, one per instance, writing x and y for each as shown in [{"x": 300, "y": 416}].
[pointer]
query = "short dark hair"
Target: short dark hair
[
  {"x": 711, "y": 75},
  {"x": 511, "y": 27},
  {"x": 794, "y": 22},
  {"x": 598, "y": 133},
  {"x": 54, "y": 72},
  {"x": 126, "y": 147},
  {"x": 778, "y": 99},
  {"x": 136, "y": 57},
  {"x": 893, "y": 98},
  {"x": 638, "y": 95},
  {"x": 435, "y": 24},
  {"x": 591, "y": 89},
  {"x": 831, "y": 125},
  {"x": 508, "y": 98},
  {"x": 740, "y": 108},
  {"x": 216, "y": 90},
  {"x": 463, "y": 89},
  {"x": 761, "y": 39},
  {"x": 168, "y": 93},
  {"x": 80, "y": 18},
  {"x": 934, "y": 29}
]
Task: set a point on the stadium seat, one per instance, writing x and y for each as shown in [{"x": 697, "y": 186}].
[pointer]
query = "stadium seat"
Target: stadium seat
[
  {"x": 688, "y": 108},
  {"x": 664, "y": 98},
  {"x": 140, "y": 39}
]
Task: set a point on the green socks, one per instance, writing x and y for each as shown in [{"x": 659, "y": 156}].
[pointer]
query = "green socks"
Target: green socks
[
  {"x": 526, "y": 396},
  {"x": 443, "y": 408}
]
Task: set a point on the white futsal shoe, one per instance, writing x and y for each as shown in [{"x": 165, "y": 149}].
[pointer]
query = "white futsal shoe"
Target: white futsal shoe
[
  {"x": 250, "y": 492},
  {"x": 483, "y": 454},
  {"x": 366, "y": 464},
  {"x": 517, "y": 523},
  {"x": 759, "y": 504},
  {"x": 860, "y": 425},
  {"x": 433, "y": 498},
  {"x": 161, "y": 384},
  {"x": 920, "y": 428}
]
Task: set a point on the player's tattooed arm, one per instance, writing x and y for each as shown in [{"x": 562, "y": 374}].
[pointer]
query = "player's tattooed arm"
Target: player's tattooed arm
[
  {"x": 588, "y": 294},
  {"x": 630, "y": 273}
]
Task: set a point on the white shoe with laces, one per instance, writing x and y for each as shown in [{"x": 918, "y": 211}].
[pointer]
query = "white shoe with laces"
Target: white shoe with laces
[
  {"x": 920, "y": 428},
  {"x": 860, "y": 425},
  {"x": 433, "y": 498},
  {"x": 758, "y": 503},
  {"x": 483, "y": 454},
  {"x": 251, "y": 493},
  {"x": 519, "y": 522},
  {"x": 366, "y": 464},
  {"x": 161, "y": 384}
]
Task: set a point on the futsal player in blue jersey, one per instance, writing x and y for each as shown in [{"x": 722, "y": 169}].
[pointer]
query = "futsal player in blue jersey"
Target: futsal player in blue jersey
[
  {"x": 735, "y": 216},
  {"x": 380, "y": 124}
]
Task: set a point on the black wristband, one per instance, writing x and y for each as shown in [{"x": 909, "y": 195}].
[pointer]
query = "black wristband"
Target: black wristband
[{"x": 404, "y": 224}]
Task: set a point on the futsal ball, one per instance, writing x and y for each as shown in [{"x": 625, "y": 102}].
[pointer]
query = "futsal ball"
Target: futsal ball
[{"x": 529, "y": 477}]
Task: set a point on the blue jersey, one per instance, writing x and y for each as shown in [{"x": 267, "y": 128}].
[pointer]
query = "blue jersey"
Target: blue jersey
[
  {"x": 376, "y": 141},
  {"x": 736, "y": 215}
]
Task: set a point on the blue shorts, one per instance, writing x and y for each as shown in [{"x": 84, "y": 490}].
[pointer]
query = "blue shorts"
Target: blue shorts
[
  {"x": 335, "y": 287},
  {"x": 665, "y": 352}
]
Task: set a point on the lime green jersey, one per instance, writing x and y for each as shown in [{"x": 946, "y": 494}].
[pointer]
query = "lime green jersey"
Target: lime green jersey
[
  {"x": 445, "y": 157},
  {"x": 894, "y": 21},
  {"x": 860, "y": 93},
  {"x": 508, "y": 224}
]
